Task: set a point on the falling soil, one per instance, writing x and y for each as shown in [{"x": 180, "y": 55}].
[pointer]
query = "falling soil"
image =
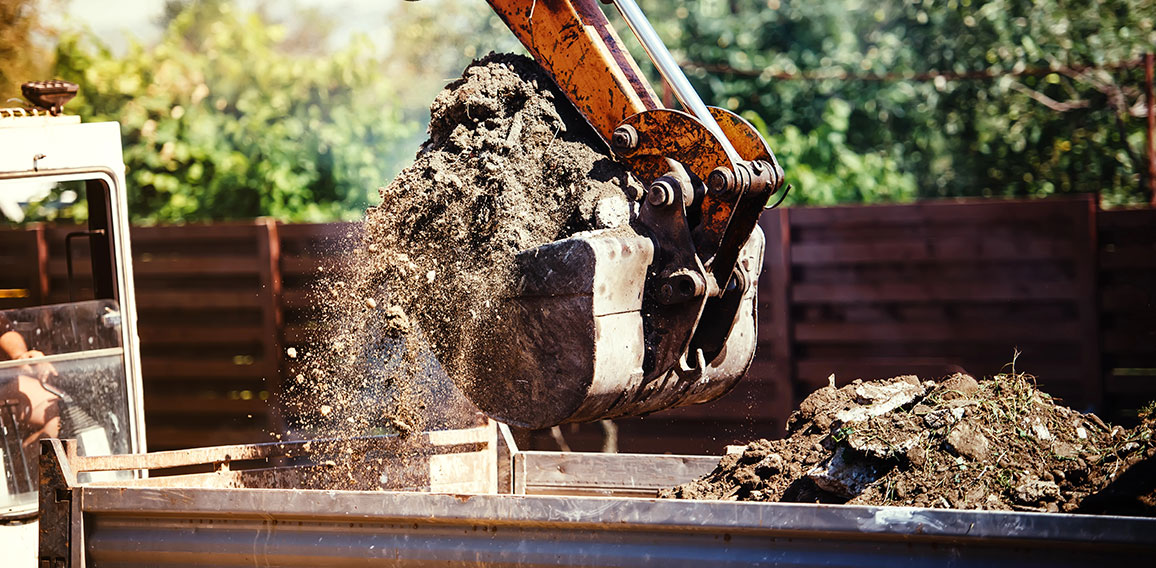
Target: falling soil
[
  {"x": 997, "y": 444},
  {"x": 509, "y": 165}
]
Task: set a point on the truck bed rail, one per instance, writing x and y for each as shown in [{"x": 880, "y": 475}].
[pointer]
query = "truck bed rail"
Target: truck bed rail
[{"x": 568, "y": 522}]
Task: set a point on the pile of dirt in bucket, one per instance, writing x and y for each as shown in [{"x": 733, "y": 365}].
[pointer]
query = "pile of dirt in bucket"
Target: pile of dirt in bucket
[
  {"x": 509, "y": 165},
  {"x": 996, "y": 444}
]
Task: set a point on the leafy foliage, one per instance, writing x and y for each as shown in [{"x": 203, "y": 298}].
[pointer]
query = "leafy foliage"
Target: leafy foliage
[
  {"x": 969, "y": 97},
  {"x": 232, "y": 116},
  {"x": 219, "y": 121},
  {"x": 24, "y": 53}
]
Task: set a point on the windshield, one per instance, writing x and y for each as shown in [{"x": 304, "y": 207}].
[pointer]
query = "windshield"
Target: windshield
[
  {"x": 71, "y": 386},
  {"x": 63, "y": 366}
]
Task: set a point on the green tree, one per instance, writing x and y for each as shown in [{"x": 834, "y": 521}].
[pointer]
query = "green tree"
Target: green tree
[
  {"x": 220, "y": 120},
  {"x": 970, "y": 97},
  {"x": 25, "y": 47}
]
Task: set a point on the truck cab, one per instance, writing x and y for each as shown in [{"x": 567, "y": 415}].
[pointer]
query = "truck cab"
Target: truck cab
[{"x": 69, "y": 358}]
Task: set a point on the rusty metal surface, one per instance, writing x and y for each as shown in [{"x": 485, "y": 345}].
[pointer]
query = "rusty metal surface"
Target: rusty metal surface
[
  {"x": 576, "y": 44},
  {"x": 243, "y": 452},
  {"x": 742, "y": 135},
  {"x": 672, "y": 134}
]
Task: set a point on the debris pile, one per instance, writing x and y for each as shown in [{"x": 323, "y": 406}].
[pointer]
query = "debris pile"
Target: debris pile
[{"x": 996, "y": 444}]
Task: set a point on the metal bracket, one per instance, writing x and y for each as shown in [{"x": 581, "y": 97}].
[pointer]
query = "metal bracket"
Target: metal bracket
[
  {"x": 56, "y": 503},
  {"x": 667, "y": 323}
]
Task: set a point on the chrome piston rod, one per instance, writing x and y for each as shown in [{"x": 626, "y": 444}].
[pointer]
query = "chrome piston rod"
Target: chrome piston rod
[{"x": 671, "y": 72}]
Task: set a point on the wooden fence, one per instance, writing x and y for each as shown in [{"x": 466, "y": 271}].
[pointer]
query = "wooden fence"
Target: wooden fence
[
  {"x": 1127, "y": 296},
  {"x": 876, "y": 291}
]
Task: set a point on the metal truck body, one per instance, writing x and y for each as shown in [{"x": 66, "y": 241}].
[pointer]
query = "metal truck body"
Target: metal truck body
[{"x": 547, "y": 508}]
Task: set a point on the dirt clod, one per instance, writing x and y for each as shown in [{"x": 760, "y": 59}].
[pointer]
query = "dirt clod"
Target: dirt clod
[{"x": 999, "y": 444}]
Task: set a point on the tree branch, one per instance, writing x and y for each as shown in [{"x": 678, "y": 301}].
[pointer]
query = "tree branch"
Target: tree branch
[{"x": 1049, "y": 102}]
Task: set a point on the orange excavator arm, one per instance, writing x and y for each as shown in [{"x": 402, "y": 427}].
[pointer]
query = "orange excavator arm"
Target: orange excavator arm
[
  {"x": 601, "y": 325},
  {"x": 575, "y": 43}
]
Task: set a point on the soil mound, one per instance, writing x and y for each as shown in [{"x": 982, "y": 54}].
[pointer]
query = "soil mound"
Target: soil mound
[{"x": 998, "y": 444}]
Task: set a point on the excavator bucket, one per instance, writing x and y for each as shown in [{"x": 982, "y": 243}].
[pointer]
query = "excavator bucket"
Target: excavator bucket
[
  {"x": 578, "y": 341},
  {"x": 609, "y": 324}
]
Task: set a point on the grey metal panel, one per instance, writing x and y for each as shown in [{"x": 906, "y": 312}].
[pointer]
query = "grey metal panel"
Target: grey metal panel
[
  {"x": 620, "y": 475},
  {"x": 129, "y": 526}
]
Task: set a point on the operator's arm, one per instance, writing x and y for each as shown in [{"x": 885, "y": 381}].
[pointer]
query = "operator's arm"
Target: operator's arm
[
  {"x": 11, "y": 343},
  {"x": 14, "y": 347}
]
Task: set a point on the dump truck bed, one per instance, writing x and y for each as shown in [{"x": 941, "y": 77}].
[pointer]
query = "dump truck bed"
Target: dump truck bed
[{"x": 563, "y": 509}]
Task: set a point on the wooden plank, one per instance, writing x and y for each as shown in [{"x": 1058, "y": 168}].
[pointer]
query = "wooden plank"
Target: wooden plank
[
  {"x": 297, "y": 299},
  {"x": 932, "y": 291},
  {"x": 170, "y": 266},
  {"x": 24, "y": 281},
  {"x": 292, "y": 334},
  {"x": 1117, "y": 219},
  {"x": 168, "y": 437},
  {"x": 776, "y": 272},
  {"x": 583, "y": 473},
  {"x": 814, "y": 373},
  {"x": 269, "y": 260},
  {"x": 301, "y": 265},
  {"x": 156, "y": 405},
  {"x": 317, "y": 231},
  {"x": 145, "y": 236},
  {"x": 1141, "y": 387},
  {"x": 198, "y": 299},
  {"x": 940, "y": 212},
  {"x": 1133, "y": 341},
  {"x": 169, "y": 332},
  {"x": 936, "y": 332},
  {"x": 1126, "y": 297},
  {"x": 945, "y": 251},
  {"x": 751, "y": 398},
  {"x": 156, "y": 368},
  {"x": 1088, "y": 315},
  {"x": 223, "y": 265},
  {"x": 1129, "y": 256}
]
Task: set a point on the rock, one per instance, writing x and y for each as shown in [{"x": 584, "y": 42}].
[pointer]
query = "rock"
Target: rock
[
  {"x": 968, "y": 442},
  {"x": 845, "y": 474},
  {"x": 770, "y": 465},
  {"x": 1064, "y": 450},
  {"x": 917, "y": 456},
  {"x": 886, "y": 437},
  {"x": 876, "y": 399},
  {"x": 611, "y": 212},
  {"x": 1036, "y": 492},
  {"x": 957, "y": 386},
  {"x": 1041, "y": 431}
]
